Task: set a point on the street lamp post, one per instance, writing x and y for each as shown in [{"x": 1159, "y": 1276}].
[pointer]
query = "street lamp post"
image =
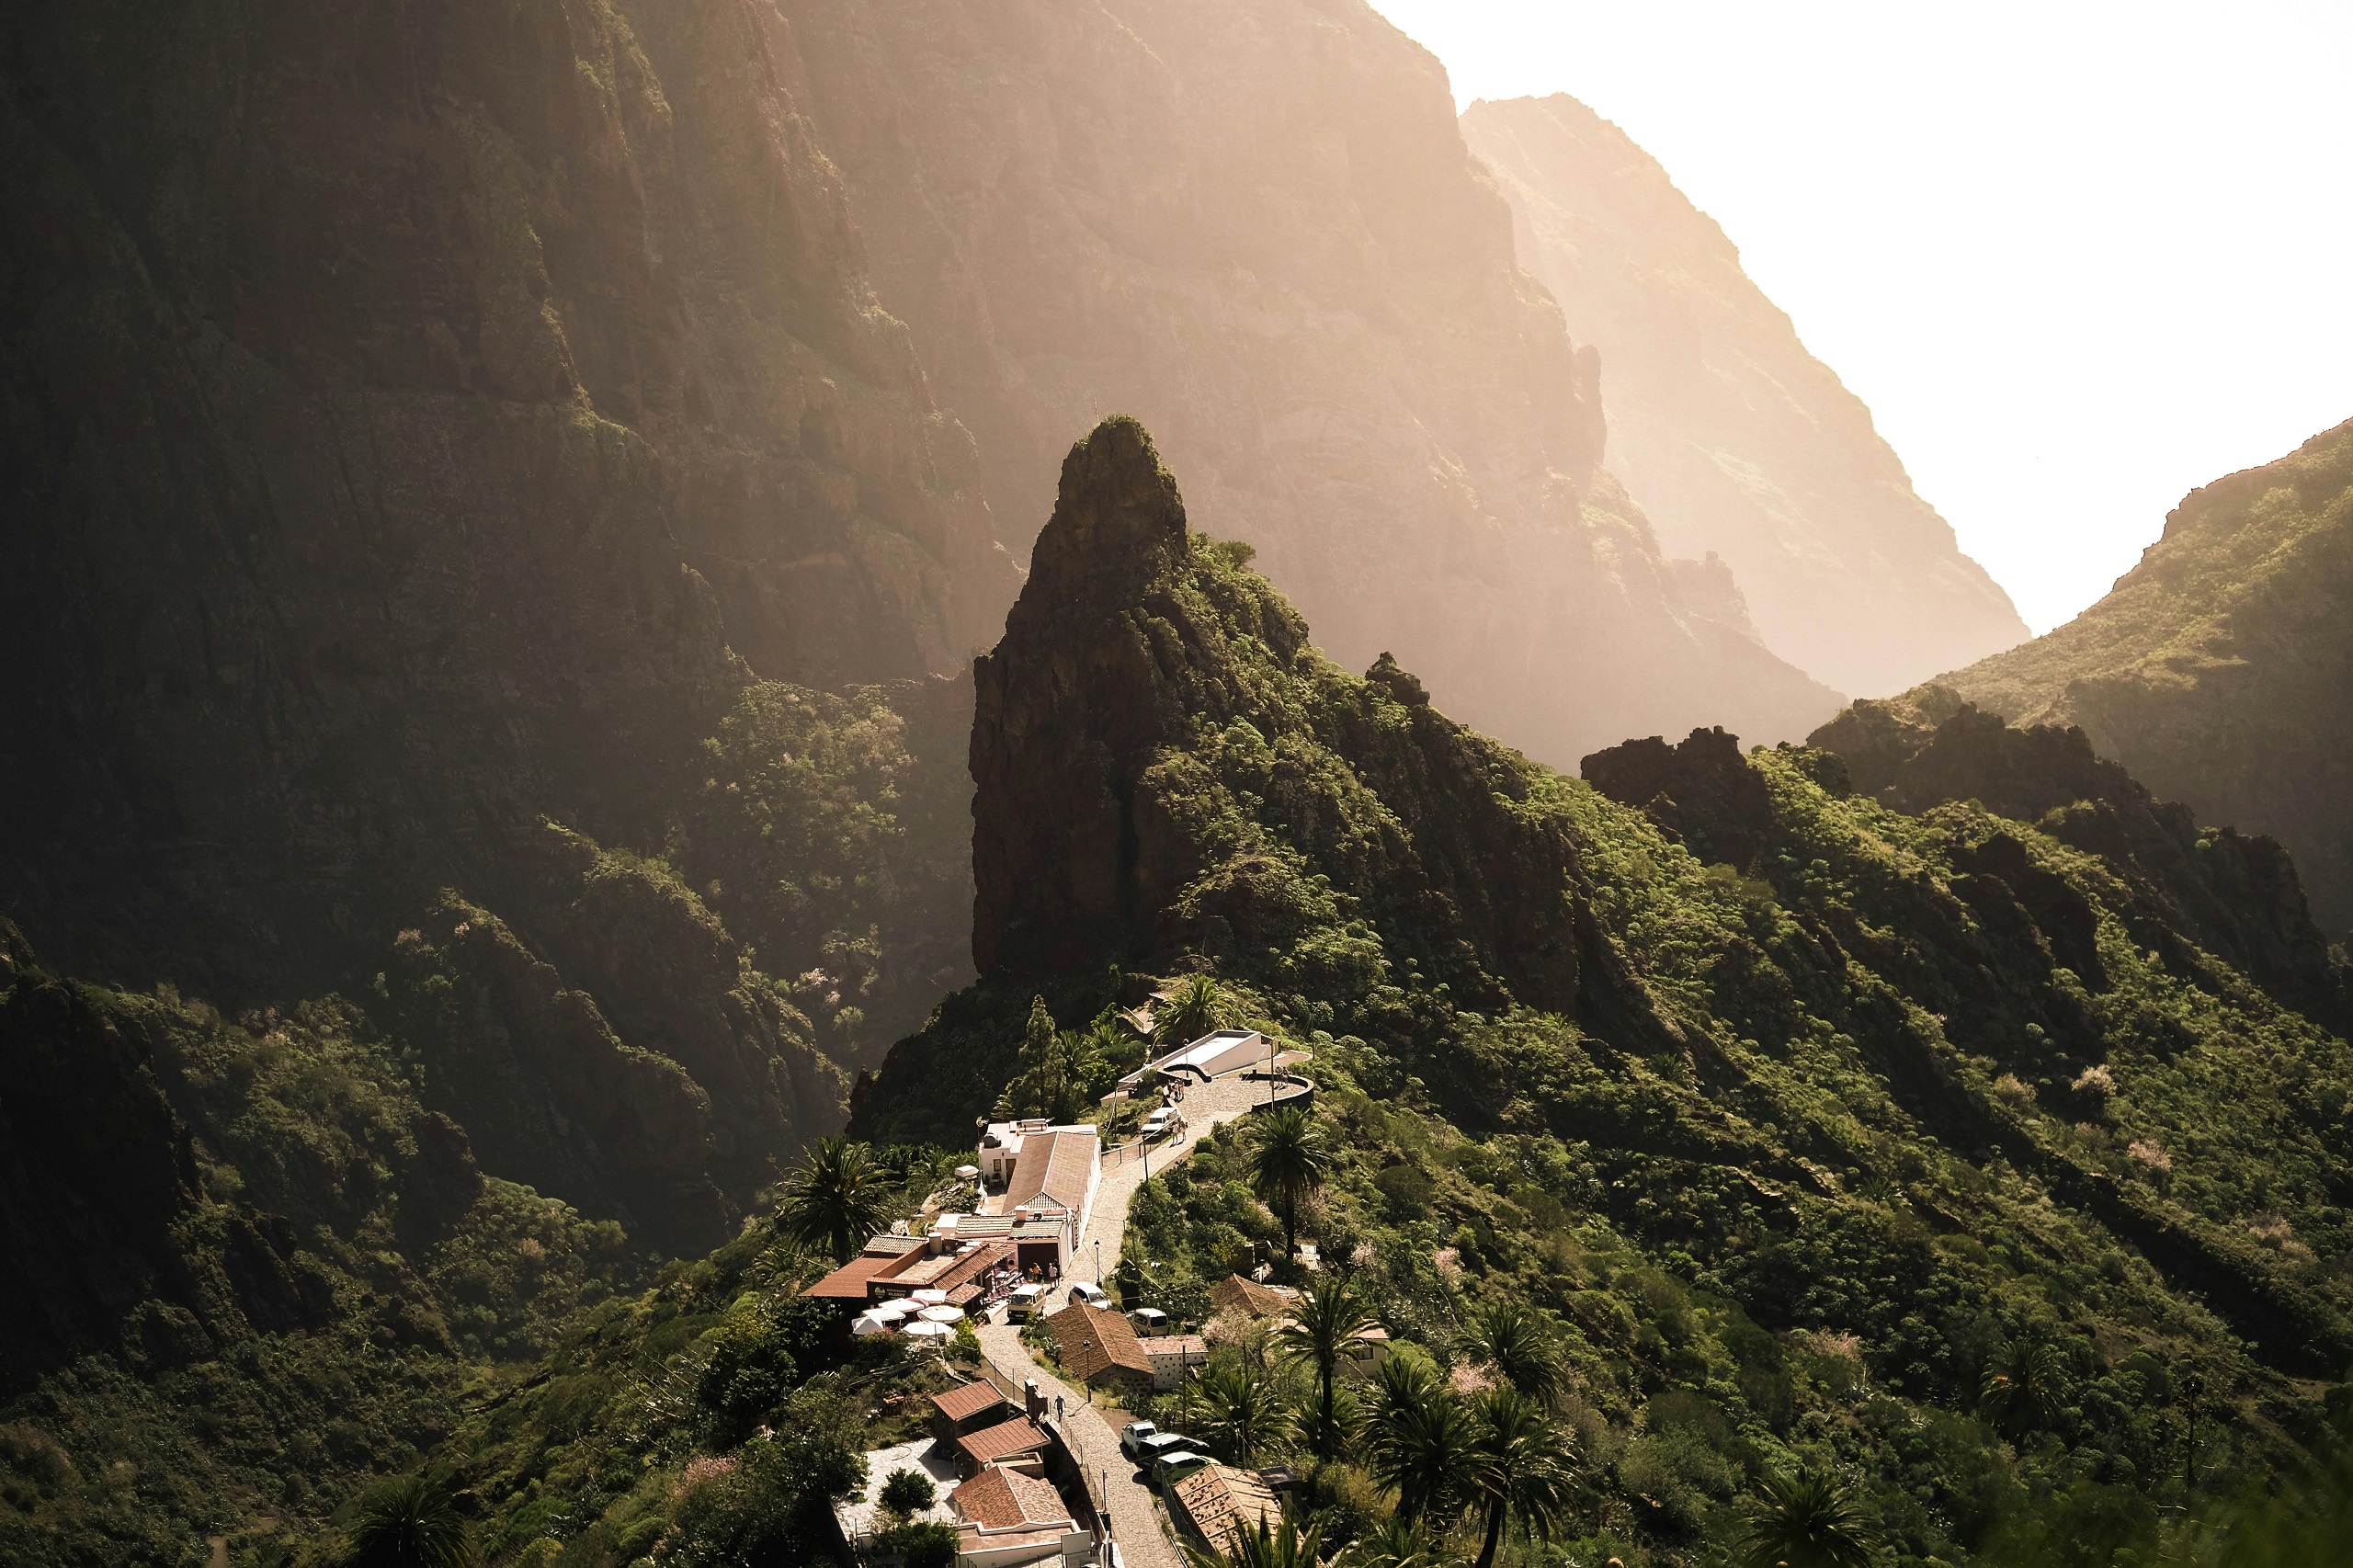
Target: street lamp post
[{"x": 1098, "y": 1260}]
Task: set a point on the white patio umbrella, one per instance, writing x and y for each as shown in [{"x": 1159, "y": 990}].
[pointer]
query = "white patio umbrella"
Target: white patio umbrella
[
  {"x": 890, "y": 1312},
  {"x": 930, "y": 1298},
  {"x": 941, "y": 1315},
  {"x": 867, "y": 1323},
  {"x": 920, "y": 1330}
]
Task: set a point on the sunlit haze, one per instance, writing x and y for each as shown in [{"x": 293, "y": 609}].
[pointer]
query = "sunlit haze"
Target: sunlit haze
[{"x": 2079, "y": 259}]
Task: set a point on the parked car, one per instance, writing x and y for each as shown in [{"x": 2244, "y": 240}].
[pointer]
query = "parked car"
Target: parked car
[
  {"x": 1160, "y": 1443},
  {"x": 1175, "y": 1466},
  {"x": 1093, "y": 1295},
  {"x": 1133, "y": 1436},
  {"x": 1161, "y": 1124}
]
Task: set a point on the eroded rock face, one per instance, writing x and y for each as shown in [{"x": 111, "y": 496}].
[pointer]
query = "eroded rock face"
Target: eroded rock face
[
  {"x": 423, "y": 422},
  {"x": 1255, "y": 226},
  {"x": 2237, "y": 895},
  {"x": 420, "y": 419},
  {"x": 1702, "y": 791},
  {"x": 1735, "y": 441}
]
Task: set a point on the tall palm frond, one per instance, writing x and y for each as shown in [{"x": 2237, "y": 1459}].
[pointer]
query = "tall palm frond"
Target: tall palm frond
[
  {"x": 1330, "y": 1313},
  {"x": 1243, "y": 1412},
  {"x": 1291, "y": 1161},
  {"x": 1419, "y": 1443},
  {"x": 2021, "y": 1391},
  {"x": 408, "y": 1521},
  {"x": 837, "y": 1198},
  {"x": 1281, "y": 1545},
  {"x": 1520, "y": 1344},
  {"x": 1520, "y": 1468},
  {"x": 1196, "y": 1006}
]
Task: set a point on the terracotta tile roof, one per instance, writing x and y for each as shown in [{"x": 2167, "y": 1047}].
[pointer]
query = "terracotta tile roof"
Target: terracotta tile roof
[
  {"x": 1018, "y": 1435},
  {"x": 1223, "y": 1502},
  {"x": 1092, "y": 1342},
  {"x": 950, "y": 1269},
  {"x": 963, "y": 1403},
  {"x": 892, "y": 1246},
  {"x": 849, "y": 1281},
  {"x": 977, "y": 1227},
  {"x": 1053, "y": 1166},
  {"x": 999, "y": 1499},
  {"x": 1234, "y": 1293},
  {"x": 1161, "y": 1345}
]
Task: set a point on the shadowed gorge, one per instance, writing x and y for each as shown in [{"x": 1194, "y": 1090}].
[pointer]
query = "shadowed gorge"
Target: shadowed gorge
[{"x": 574, "y": 718}]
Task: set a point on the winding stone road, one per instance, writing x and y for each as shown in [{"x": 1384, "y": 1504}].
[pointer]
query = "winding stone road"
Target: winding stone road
[{"x": 1136, "y": 1521}]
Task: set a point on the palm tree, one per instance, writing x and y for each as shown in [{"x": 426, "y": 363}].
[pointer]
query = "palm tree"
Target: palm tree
[
  {"x": 1520, "y": 1468},
  {"x": 1243, "y": 1412},
  {"x": 409, "y": 1521},
  {"x": 1393, "y": 1543},
  {"x": 1279, "y": 1546},
  {"x": 2021, "y": 1391},
  {"x": 1520, "y": 1345},
  {"x": 1809, "y": 1519},
  {"x": 1192, "y": 1010},
  {"x": 1421, "y": 1442},
  {"x": 1293, "y": 1158},
  {"x": 1329, "y": 1315},
  {"x": 837, "y": 1198}
]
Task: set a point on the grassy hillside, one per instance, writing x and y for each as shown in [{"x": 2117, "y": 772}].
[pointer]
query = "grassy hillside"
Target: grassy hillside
[{"x": 2216, "y": 669}]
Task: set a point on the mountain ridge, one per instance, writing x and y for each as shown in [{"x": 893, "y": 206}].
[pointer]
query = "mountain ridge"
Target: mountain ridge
[
  {"x": 2214, "y": 669},
  {"x": 1736, "y": 440}
]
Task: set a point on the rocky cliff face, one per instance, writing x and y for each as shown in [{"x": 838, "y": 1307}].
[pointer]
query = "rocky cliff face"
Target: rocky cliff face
[
  {"x": 2216, "y": 669},
  {"x": 1255, "y": 225},
  {"x": 422, "y": 424},
  {"x": 1732, "y": 437},
  {"x": 2237, "y": 897},
  {"x": 1094, "y": 828}
]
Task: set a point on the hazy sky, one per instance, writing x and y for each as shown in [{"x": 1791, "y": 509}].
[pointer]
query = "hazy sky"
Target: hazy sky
[{"x": 2079, "y": 258}]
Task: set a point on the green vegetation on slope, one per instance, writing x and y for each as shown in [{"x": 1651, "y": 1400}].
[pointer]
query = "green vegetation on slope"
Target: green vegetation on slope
[
  {"x": 251, "y": 1261},
  {"x": 2216, "y": 669},
  {"x": 1745, "y": 1077}
]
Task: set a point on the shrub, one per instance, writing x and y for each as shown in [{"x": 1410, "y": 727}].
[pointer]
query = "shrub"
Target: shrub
[{"x": 907, "y": 1492}]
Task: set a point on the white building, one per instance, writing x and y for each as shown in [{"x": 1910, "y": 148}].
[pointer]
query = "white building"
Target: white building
[
  {"x": 1042, "y": 1177},
  {"x": 1212, "y": 1056}
]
